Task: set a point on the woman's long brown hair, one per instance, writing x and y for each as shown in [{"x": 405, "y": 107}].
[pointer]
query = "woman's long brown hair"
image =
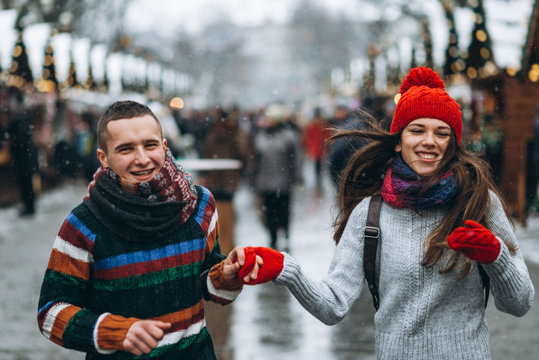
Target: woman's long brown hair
[{"x": 365, "y": 171}]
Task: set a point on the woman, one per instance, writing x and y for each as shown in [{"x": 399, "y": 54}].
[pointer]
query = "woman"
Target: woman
[{"x": 441, "y": 216}]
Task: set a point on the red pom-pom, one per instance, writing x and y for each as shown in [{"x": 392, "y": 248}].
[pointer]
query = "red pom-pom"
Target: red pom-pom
[{"x": 421, "y": 76}]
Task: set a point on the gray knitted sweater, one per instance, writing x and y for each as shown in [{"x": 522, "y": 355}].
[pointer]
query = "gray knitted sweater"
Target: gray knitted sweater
[{"x": 423, "y": 314}]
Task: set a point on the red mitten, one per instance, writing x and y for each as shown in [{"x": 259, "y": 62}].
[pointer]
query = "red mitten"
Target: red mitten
[
  {"x": 270, "y": 269},
  {"x": 475, "y": 241},
  {"x": 249, "y": 264}
]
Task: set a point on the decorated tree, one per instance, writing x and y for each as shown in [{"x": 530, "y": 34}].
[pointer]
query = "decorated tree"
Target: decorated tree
[
  {"x": 20, "y": 71},
  {"x": 480, "y": 50},
  {"x": 49, "y": 69},
  {"x": 72, "y": 75},
  {"x": 453, "y": 64},
  {"x": 427, "y": 43}
]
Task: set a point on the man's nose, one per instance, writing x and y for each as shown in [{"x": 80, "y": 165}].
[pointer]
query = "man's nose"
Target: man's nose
[{"x": 141, "y": 156}]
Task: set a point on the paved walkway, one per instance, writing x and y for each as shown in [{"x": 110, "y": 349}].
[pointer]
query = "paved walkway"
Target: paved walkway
[{"x": 265, "y": 322}]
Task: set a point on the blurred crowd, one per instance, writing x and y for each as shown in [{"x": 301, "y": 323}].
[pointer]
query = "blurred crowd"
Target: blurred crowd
[{"x": 46, "y": 140}]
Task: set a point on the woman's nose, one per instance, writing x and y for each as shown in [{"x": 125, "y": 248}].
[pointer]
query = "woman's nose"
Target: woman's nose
[{"x": 428, "y": 138}]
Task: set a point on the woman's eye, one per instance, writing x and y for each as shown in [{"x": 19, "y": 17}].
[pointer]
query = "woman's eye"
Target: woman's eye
[{"x": 444, "y": 134}]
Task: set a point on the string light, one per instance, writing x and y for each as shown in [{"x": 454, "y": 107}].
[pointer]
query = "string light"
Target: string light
[
  {"x": 533, "y": 74},
  {"x": 177, "y": 103}
]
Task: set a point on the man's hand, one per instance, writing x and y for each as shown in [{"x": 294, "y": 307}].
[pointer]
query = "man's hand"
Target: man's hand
[
  {"x": 236, "y": 259},
  {"x": 143, "y": 336}
]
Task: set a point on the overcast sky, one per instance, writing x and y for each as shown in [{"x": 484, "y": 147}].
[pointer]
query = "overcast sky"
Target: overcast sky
[{"x": 192, "y": 15}]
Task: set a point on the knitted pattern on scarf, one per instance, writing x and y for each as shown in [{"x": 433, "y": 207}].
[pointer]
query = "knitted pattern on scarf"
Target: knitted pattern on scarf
[
  {"x": 402, "y": 186},
  {"x": 141, "y": 211}
]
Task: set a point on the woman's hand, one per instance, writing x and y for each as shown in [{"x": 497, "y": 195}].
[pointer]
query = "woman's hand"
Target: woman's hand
[
  {"x": 271, "y": 268},
  {"x": 246, "y": 261},
  {"x": 475, "y": 241}
]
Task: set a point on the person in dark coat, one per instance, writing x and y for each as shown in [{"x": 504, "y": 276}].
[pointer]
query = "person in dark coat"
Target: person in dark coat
[
  {"x": 225, "y": 140},
  {"x": 341, "y": 150},
  {"x": 22, "y": 149}
]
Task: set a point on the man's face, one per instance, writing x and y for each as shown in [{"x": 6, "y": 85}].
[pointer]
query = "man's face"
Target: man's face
[{"x": 135, "y": 148}]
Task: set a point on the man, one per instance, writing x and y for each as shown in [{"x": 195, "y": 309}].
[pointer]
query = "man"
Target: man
[{"x": 132, "y": 263}]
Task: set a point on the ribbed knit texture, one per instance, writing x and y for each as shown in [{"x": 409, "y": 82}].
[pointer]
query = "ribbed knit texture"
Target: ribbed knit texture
[
  {"x": 423, "y": 314},
  {"x": 92, "y": 272}
]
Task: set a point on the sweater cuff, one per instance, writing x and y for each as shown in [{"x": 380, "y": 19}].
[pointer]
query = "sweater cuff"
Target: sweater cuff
[
  {"x": 289, "y": 272},
  {"x": 503, "y": 273},
  {"x": 221, "y": 290},
  {"x": 219, "y": 282},
  {"x": 110, "y": 331}
]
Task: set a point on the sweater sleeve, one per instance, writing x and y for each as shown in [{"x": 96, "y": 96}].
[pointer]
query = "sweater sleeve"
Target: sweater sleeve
[
  {"x": 330, "y": 299},
  {"x": 511, "y": 285},
  {"x": 63, "y": 316},
  {"x": 215, "y": 287}
]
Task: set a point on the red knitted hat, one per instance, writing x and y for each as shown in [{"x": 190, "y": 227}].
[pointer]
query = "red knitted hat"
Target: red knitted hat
[{"x": 423, "y": 96}]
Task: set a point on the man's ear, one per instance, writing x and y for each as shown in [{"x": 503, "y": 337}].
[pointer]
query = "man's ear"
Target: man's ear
[
  {"x": 165, "y": 144},
  {"x": 102, "y": 157}
]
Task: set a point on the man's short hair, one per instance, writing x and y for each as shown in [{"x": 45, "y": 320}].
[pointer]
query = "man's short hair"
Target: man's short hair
[{"x": 121, "y": 110}]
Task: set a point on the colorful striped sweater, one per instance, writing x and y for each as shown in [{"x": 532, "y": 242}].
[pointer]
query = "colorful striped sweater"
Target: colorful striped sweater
[{"x": 97, "y": 285}]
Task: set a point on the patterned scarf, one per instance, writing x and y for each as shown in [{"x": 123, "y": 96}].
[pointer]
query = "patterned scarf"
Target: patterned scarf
[
  {"x": 142, "y": 211},
  {"x": 402, "y": 186}
]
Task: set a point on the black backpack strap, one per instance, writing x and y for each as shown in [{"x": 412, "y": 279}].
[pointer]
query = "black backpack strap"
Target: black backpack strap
[
  {"x": 370, "y": 243},
  {"x": 486, "y": 282}
]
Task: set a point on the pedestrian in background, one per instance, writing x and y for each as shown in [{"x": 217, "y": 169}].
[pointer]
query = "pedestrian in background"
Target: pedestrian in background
[
  {"x": 340, "y": 151},
  {"x": 313, "y": 137},
  {"x": 85, "y": 143},
  {"x": 225, "y": 140},
  {"x": 132, "y": 263},
  {"x": 19, "y": 133},
  {"x": 276, "y": 169},
  {"x": 441, "y": 221}
]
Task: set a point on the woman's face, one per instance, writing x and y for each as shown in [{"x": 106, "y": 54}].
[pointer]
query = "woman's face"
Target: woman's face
[{"x": 423, "y": 144}]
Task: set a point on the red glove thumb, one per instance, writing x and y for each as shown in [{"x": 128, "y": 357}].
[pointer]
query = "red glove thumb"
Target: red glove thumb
[
  {"x": 270, "y": 269},
  {"x": 475, "y": 241}
]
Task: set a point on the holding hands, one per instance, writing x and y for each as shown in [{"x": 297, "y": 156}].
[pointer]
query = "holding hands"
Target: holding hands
[
  {"x": 243, "y": 264},
  {"x": 475, "y": 241},
  {"x": 271, "y": 267}
]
